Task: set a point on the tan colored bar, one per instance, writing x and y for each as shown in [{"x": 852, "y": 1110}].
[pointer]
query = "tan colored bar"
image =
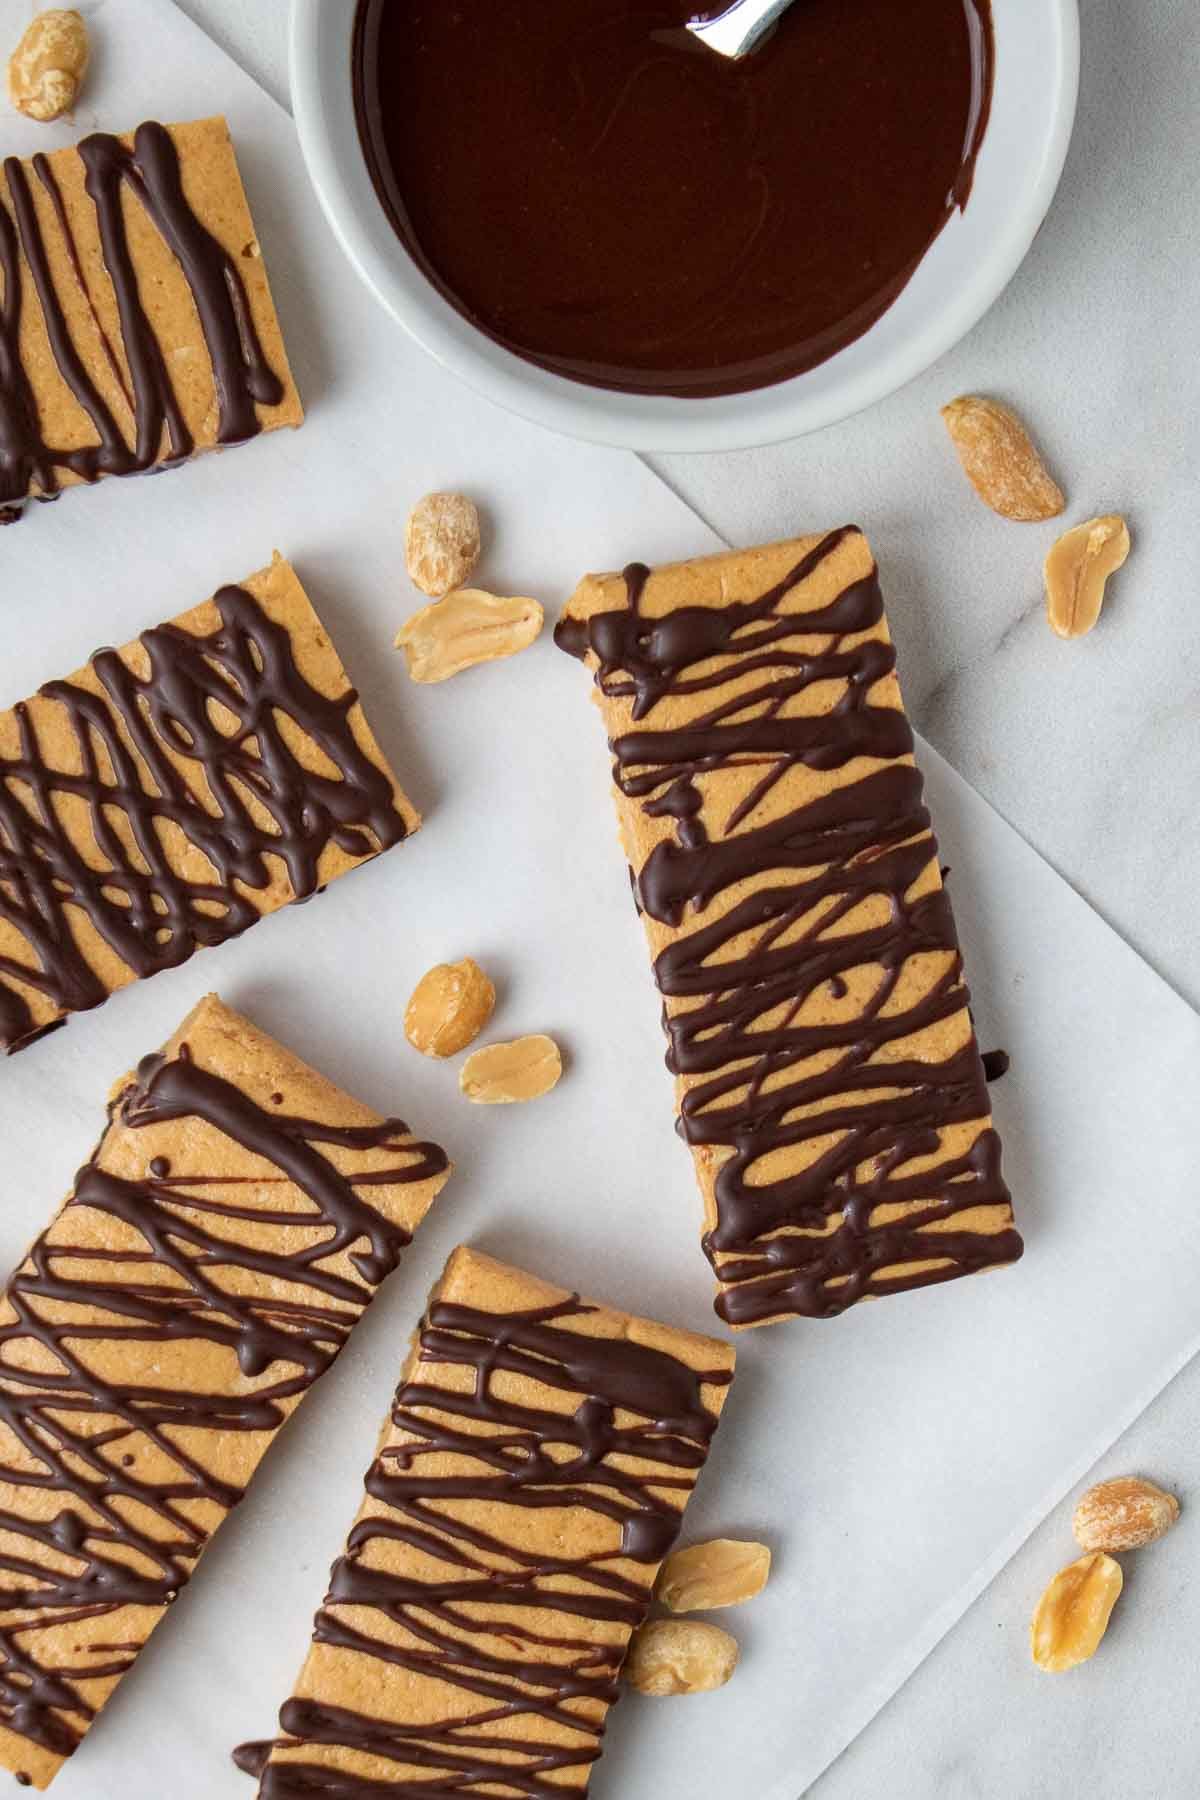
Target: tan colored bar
[
  {"x": 539, "y": 1455},
  {"x": 170, "y": 794},
  {"x": 234, "y": 1222},
  {"x": 769, "y": 804},
  {"x": 96, "y": 366}
]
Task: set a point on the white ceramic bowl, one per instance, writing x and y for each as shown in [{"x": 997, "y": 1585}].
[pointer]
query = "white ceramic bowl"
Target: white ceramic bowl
[{"x": 1033, "y": 110}]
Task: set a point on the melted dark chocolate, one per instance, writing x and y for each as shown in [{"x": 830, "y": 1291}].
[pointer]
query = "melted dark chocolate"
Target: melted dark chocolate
[
  {"x": 149, "y": 170},
  {"x": 996, "y": 1063},
  {"x": 239, "y": 762},
  {"x": 252, "y": 1758},
  {"x": 604, "y": 196},
  {"x": 530, "y": 1457},
  {"x": 298, "y": 1324},
  {"x": 866, "y": 839}
]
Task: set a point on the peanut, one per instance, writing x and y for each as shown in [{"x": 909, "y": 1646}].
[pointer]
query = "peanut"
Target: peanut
[
  {"x": 674, "y": 1656},
  {"x": 1073, "y": 1613},
  {"x": 449, "y": 1007},
  {"x": 441, "y": 542},
  {"x": 500, "y": 1074},
  {"x": 1077, "y": 570},
  {"x": 1123, "y": 1514},
  {"x": 1000, "y": 461},
  {"x": 705, "y": 1577},
  {"x": 467, "y": 627},
  {"x": 46, "y": 70}
]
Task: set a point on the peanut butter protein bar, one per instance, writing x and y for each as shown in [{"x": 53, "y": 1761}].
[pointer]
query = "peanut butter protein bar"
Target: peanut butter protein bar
[
  {"x": 136, "y": 323},
  {"x": 529, "y": 1482},
  {"x": 173, "y": 792},
  {"x": 235, "y": 1220},
  {"x": 828, "y": 1079}
]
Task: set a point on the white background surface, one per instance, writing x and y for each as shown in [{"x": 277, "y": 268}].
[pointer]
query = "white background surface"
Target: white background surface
[{"x": 1084, "y": 747}]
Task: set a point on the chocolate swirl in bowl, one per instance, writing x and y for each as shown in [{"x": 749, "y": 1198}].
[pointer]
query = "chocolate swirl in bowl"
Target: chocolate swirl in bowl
[{"x": 607, "y": 198}]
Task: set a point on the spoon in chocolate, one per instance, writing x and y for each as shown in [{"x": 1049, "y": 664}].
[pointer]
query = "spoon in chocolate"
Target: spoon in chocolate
[{"x": 735, "y": 31}]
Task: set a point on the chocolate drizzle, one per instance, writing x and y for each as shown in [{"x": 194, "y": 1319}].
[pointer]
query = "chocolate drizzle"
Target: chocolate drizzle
[
  {"x": 201, "y": 748},
  {"x": 148, "y": 170},
  {"x": 107, "y": 1489},
  {"x": 839, "y": 906},
  {"x": 636, "y": 1474}
]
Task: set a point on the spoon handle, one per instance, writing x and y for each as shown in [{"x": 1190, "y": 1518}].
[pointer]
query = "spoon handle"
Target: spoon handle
[{"x": 735, "y": 31}]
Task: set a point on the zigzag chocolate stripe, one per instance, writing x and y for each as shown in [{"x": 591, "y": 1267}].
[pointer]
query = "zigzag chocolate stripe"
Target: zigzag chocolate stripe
[
  {"x": 106, "y": 1506},
  {"x": 508, "y": 1455},
  {"x": 849, "y": 1213}
]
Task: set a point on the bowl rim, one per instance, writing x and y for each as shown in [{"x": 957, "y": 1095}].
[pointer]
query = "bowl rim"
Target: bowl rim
[{"x": 322, "y": 104}]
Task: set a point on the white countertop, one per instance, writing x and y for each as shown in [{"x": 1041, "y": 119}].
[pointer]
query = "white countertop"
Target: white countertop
[{"x": 1092, "y": 751}]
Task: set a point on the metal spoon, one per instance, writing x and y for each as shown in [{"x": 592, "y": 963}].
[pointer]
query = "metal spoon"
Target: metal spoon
[{"x": 735, "y": 31}]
